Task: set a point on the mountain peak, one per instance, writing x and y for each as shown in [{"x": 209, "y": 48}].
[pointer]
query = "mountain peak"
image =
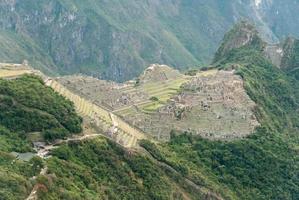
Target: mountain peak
[{"x": 242, "y": 34}]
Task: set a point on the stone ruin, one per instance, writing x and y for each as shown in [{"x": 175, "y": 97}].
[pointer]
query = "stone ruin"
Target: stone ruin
[
  {"x": 214, "y": 106},
  {"x": 158, "y": 73},
  {"x": 109, "y": 94},
  {"x": 116, "y": 96}
]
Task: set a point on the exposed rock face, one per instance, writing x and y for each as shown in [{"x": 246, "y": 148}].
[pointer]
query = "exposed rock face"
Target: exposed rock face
[
  {"x": 104, "y": 39},
  {"x": 275, "y": 53},
  {"x": 284, "y": 55},
  {"x": 290, "y": 59}
]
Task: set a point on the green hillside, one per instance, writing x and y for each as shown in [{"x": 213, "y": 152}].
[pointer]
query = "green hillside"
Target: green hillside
[
  {"x": 101, "y": 169},
  {"x": 91, "y": 169},
  {"x": 15, "y": 176},
  {"x": 118, "y": 39},
  {"x": 290, "y": 60},
  {"x": 26, "y": 106},
  {"x": 263, "y": 166}
]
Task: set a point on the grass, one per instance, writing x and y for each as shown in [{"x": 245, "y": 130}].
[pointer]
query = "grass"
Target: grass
[{"x": 152, "y": 107}]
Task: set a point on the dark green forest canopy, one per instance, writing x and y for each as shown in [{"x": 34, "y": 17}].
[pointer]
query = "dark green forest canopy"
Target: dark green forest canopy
[
  {"x": 27, "y": 105},
  {"x": 101, "y": 169}
]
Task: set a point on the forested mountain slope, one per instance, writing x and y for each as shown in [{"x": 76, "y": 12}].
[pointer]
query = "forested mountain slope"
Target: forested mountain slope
[
  {"x": 87, "y": 169},
  {"x": 290, "y": 60},
  {"x": 28, "y": 107},
  {"x": 264, "y": 165},
  {"x": 119, "y": 39}
]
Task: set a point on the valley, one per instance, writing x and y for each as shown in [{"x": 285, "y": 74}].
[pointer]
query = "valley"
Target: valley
[{"x": 118, "y": 40}]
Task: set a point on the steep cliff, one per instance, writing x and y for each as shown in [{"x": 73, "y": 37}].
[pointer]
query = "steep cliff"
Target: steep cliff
[{"x": 118, "y": 39}]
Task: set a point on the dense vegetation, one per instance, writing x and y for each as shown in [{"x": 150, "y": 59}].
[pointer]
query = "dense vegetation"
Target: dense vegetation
[
  {"x": 290, "y": 60},
  {"x": 262, "y": 166},
  {"x": 15, "y": 176},
  {"x": 27, "y": 105},
  {"x": 100, "y": 169}
]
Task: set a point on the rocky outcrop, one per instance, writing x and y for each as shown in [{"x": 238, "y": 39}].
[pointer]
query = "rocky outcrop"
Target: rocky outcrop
[{"x": 285, "y": 54}]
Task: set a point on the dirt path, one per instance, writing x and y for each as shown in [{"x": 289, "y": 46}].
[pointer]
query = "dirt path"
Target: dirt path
[
  {"x": 43, "y": 153},
  {"x": 33, "y": 194}
]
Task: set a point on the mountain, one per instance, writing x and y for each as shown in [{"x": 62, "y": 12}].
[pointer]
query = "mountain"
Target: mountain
[
  {"x": 243, "y": 34},
  {"x": 29, "y": 111},
  {"x": 265, "y": 164},
  {"x": 35, "y": 119},
  {"x": 117, "y": 40},
  {"x": 262, "y": 165}
]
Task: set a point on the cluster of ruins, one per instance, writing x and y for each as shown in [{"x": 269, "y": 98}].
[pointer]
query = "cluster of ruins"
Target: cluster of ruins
[
  {"x": 213, "y": 104},
  {"x": 110, "y": 95}
]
